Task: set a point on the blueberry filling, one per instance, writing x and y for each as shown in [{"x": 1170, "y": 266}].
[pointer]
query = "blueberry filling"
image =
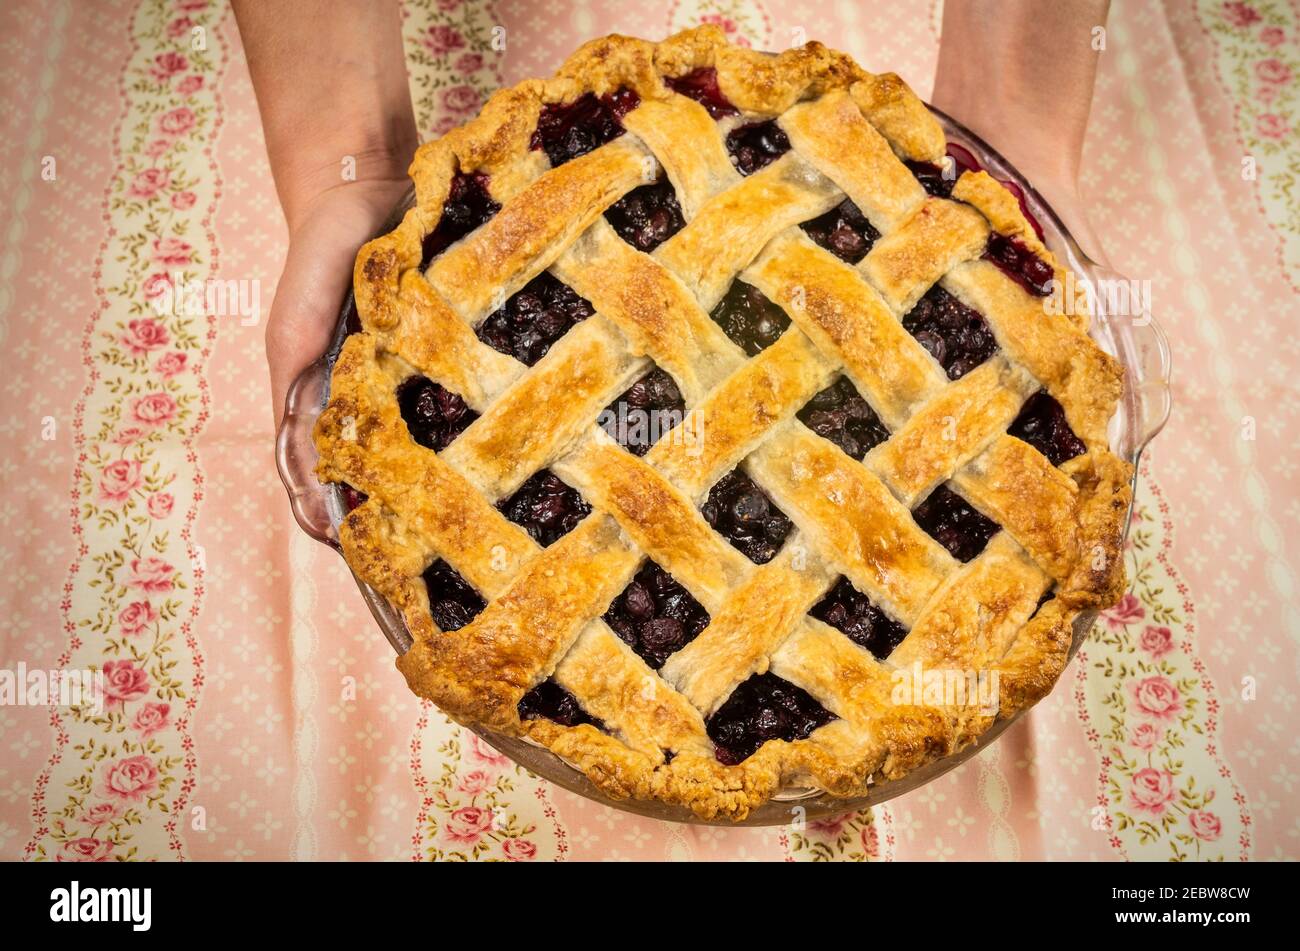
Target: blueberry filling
[
  {"x": 656, "y": 615},
  {"x": 434, "y": 415},
  {"x": 954, "y": 334},
  {"x": 749, "y": 318},
  {"x": 840, "y": 414},
  {"x": 932, "y": 177},
  {"x": 566, "y": 130},
  {"x": 453, "y": 602},
  {"x": 1043, "y": 425},
  {"x": 548, "y": 699},
  {"x": 843, "y": 231},
  {"x": 546, "y": 507},
  {"x": 352, "y": 497},
  {"x": 648, "y": 216},
  {"x": 754, "y": 146},
  {"x": 534, "y": 318},
  {"x": 851, "y": 612},
  {"x": 954, "y": 523},
  {"x": 702, "y": 86},
  {"x": 649, "y": 408},
  {"x": 1020, "y": 264},
  {"x": 468, "y": 205},
  {"x": 742, "y": 513},
  {"x": 763, "y": 708}
]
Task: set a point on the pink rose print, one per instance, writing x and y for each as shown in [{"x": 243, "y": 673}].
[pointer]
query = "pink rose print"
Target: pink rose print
[
  {"x": 1157, "y": 698},
  {"x": 519, "y": 850},
  {"x": 1205, "y": 825},
  {"x": 157, "y": 148},
  {"x": 1156, "y": 641},
  {"x": 151, "y": 575},
  {"x": 123, "y": 681},
  {"x": 469, "y": 63},
  {"x": 189, "y": 86},
  {"x": 1273, "y": 71},
  {"x": 1151, "y": 790},
  {"x": 1240, "y": 14},
  {"x": 485, "y": 754},
  {"x": 729, "y": 27},
  {"x": 1272, "y": 126},
  {"x": 149, "y": 182},
  {"x": 154, "y": 409},
  {"x": 190, "y": 6},
  {"x": 870, "y": 841},
  {"x": 167, "y": 65},
  {"x": 474, "y": 783},
  {"x": 461, "y": 99},
  {"x": 1146, "y": 736},
  {"x": 179, "y": 27},
  {"x": 85, "y": 849},
  {"x": 172, "y": 252},
  {"x": 131, "y": 779},
  {"x": 446, "y": 6},
  {"x": 468, "y": 823},
  {"x": 1128, "y": 610},
  {"x": 829, "y": 826},
  {"x": 160, "y": 505},
  {"x": 143, "y": 335},
  {"x": 151, "y": 718},
  {"x": 170, "y": 364},
  {"x": 176, "y": 122},
  {"x": 136, "y": 616},
  {"x": 128, "y": 437},
  {"x": 156, "y": 285},
  {"x": 1273, "y": 36},
  {"x": 100, "y": 813},
  {"x": 118, "y": 480},
  {"x": 444, "y": 125},
  {"x": 183, "y": 201},
  {"x": 441, "y": 40}
]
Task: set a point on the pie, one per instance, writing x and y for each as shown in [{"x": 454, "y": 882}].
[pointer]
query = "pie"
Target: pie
[{"x": 696, "y": 400}]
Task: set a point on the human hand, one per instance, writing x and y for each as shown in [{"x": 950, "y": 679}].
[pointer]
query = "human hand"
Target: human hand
[{"x": 317, "y": 271}]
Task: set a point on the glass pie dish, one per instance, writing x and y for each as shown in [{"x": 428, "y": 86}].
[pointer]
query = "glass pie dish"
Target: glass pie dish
[{"x": 1135, "y": 339}]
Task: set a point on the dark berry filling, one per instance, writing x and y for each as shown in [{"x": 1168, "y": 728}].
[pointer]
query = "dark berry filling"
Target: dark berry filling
[
  {"x": 352, "y": 497},
  {"x": 548, "y": 699},
  {"x": 933, "y": 180},
  {"x": 843, "y": 231},
  {"x": 546, "y": 506},
  {"x": 763, "y": 708},
  {"x": 434, "y": 415},
  {"x": 468, "y": 206},
  {"x": 567, "y": 130},
  {"x": 932, "y": 177},
  {"x": 648, "y": 216},
  {"x": 742, "y": 513},
  {"x": 955, "y": 335},
  {"x": 749, "y": 318},
  {"x": 534, "y": 318},
  {"x": 453, "y": 602},
  {"x": 649, "y": 408},
  {"x": 851, "y": 612},
  {"x": 352, "y": 319},
  {"x": 702, "y": 86},
  {"x": 1043, "y": 425},
  {"x": 656, "y": 615},
  {"x": 754, "y": 146},
  {"x": 1020, "y": 264},
  {"x": 954, "y": 523},
  {"x": 840, "y": 414}
]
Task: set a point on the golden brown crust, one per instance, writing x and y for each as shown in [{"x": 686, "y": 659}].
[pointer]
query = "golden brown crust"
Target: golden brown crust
[{"x": 1063, "y": 527}]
